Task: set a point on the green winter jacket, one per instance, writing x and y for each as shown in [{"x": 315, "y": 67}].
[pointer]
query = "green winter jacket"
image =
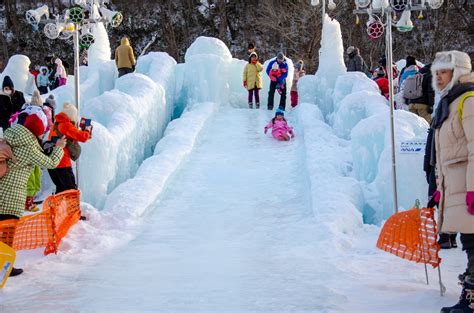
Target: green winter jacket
[
  {"x": 28, "y": 152},
  {"x": 34, "y": 182}
]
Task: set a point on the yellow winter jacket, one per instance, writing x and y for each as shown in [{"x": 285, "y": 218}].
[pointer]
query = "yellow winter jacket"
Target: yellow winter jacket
[
  {"x": 124, "y": 57},
  {"x": 252, "y": 75}
]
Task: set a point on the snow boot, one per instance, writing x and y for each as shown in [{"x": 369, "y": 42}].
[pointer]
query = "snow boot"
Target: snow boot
[
  {"x": 466, "y": 300},
  {"x": 250, "y": 105},
  {"x": 257, "y": 105},
  {"x": 444, "y": 241},
  {"x": 16, "y": 272}
]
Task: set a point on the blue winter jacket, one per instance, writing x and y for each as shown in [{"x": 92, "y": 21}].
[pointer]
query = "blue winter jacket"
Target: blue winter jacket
[
  {"x": 283, "y": 67},
  {"x": 43, "y": 80}
]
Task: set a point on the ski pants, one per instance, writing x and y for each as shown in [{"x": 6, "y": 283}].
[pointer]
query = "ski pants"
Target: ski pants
[
  {"x": 255, "y": 91},
  {"x": 124, "y": 71},
  {"x": 294, "y": 98},
  {"x": 63, "y": 178},
  {"x": 271, "y": 96},
  {"x": 43, "y": 89}
]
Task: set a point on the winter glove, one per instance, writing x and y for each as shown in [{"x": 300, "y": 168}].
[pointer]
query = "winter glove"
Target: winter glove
[
  {"x": 434, "y": 200},
  {"x": 245, "y": 84},
  {"x": 470, "y": 202},
  {"x": 265, "y": 130}
]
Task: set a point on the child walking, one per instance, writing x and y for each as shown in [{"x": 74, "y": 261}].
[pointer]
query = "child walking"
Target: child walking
[
  {"x": 299, "y": 72},
  {"x": 280, "y": 128},
  {"x": 253, "y": 79}
]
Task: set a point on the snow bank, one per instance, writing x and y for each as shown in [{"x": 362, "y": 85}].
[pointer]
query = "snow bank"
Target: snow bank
[
  {"x": 128, "y": 121},
  {"x": 331, "y": 64},
  {"x": 134, "y": 196},
  {"x": 336, "y": 198},
  {"x": 372, "y": 159}
]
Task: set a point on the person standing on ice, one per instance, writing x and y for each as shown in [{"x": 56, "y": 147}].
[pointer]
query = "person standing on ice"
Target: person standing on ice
[
  {"x": 280, "y": 128},
  {"x": 43, "y": 80},
  {"x": 381, "y": 80},
  {"x": 16, "y": 97},
  {"x": 299, "y": 72},
  {"x": 453, "y": 156},
  {"x": 410, "y": 69},
  {"x": 65, "y": 125},
  {"x": 61, "y": 75},
  {"x": 253, "y": 79},
  {"x": 355, "y": 62},
  {"x": 24, "y": 142},
  {"x": 280, "y": 60},
  {"x": 124, "y": 58}
]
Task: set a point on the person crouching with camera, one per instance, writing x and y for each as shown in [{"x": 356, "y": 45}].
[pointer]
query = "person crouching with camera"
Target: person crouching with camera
[{"x": 66, "y": 125}]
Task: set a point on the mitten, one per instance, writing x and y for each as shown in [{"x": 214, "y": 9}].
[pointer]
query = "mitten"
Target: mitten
[
  {"x": 434, "y": 200},
  {"x": 245, "y": 83},
  {"x": 470, "y": 202}
]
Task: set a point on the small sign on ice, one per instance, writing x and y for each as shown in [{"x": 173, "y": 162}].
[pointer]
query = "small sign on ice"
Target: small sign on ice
[{"x": 413, "y": 147}]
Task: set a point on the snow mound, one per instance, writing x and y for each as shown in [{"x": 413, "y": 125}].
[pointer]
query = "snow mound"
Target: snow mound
[
  {"x": 18, "y": 68},
  {"x": 372, "y": 159}
]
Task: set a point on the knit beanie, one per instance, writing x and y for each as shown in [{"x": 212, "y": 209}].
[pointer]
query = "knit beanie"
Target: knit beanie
[
  {"x": 70, "y": 111},
  {"x": 458, "y": 61},
  {"x": 36, "y": 99},
  {"x": 34, "y": 124},
  {"x": 50, "y": 100},
  {"x": 279, "y": 112},
  {"x": 8, "y": 82},
  {"x": 410, "y": 60},
  {"x": 275, "y": 67}
]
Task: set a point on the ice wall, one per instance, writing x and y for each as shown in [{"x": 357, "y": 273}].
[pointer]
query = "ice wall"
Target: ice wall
[
  {"x": 128, "y": 121},
  {"x": 331, "y": 64},
  {"x": 372, "y": 163},
  {"x": 355, "y": 98},
  {"x": 206, "y": 71}
]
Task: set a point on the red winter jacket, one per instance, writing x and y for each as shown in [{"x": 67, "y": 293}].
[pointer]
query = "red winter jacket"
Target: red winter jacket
[
  {"x": 68, "y": 129},
  {"x": 382, "y": 82}
]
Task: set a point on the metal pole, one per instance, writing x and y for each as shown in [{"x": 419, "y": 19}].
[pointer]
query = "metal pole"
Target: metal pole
[
  {"x": 442, "y": 288},
  {"x": 392, "y": 117},
  {"x": 76, "y": 85},
  {"x": 323, "y": 10}
]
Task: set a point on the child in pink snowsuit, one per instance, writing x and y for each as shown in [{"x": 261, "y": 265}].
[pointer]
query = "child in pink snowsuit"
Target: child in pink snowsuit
[{"x": 280, "y": 128}]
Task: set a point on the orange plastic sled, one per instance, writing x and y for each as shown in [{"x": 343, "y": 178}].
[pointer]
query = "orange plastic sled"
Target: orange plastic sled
[{"x": 411, "y": 235}]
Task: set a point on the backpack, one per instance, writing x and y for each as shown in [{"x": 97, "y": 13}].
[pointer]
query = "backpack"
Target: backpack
[
  {"x": 461, "y": 104},
  {"x": 5, "y": 155},
  {"x": 73, "y": 146},
  {"x": 413, "y": 87}
]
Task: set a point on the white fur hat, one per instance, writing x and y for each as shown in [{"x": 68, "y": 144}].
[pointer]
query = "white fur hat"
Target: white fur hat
[
  {"x": 458, "y": 61},
  {"x": 70, "y": 111}
]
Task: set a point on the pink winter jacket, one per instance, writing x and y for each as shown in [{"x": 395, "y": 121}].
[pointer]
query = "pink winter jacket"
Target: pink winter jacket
[
  {"x": 60, "y": 70},
  {"x": 279, "y": 128}
]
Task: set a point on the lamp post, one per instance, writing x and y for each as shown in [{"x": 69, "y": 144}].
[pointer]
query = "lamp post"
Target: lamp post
[
  {"x": 77, "y": 22},
  {"x": 377, "y": 11}
]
